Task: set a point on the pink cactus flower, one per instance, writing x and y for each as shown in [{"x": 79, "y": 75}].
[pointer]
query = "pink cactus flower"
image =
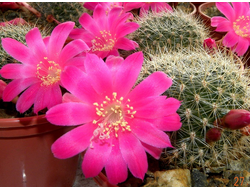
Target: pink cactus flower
[
  {"x": 15, "y": 21},
  {"x": 43, "y": 61},
  {"x": 126, "y": 6},
  {"x": 156, "y": 7},
  {"x": 236, "y": 24},
  {"x": 236, "y": 119},
  {"x": 105, "y": 34},
  {"x": 117, "y": 124}
]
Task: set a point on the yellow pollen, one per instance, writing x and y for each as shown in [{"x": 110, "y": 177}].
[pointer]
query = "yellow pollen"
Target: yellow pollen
[
  {"x": 241, "y": 26},
  {"x": 112, "y": 117},
  {"x": 105, "y": 42},
  {"x": 48, "y": 72}
]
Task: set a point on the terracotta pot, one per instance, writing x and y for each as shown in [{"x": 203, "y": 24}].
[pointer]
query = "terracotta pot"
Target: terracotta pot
[
  {"x": 207, "y": 20},
  {"x": 193, "y": 12},
  {"x": 26, "y": 158}
]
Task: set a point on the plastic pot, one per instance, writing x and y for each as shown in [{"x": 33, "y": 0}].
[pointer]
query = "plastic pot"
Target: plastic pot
[{"x": 26, "y": 158}]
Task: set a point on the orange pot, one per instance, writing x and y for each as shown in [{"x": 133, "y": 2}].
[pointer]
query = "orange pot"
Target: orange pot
[
  {"x": 26, "y": 158},
  {"x": 207, "y": 20}
]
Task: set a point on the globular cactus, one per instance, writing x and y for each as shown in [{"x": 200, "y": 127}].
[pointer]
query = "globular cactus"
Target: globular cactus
[
  {"x": 169, "y": 30},
  {"x": 209, "y": 86},
  {"x": 58, "y": 12},
  {"x": 18, "y": 33}
]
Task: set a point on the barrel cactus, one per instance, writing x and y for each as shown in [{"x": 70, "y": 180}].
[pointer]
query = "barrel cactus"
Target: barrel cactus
[
  {"x": 169, "y": 30},
  {"x": 209, "y": 86},
  {"x": 55, "y": 12}
]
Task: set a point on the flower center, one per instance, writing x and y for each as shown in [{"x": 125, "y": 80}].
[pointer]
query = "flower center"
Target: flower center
[
  {"x": 105, "y": 42},
  {"x": 48, "y": 72},
  {"x": 241, "y": 26},
  {"x": 112, "y": 112}
]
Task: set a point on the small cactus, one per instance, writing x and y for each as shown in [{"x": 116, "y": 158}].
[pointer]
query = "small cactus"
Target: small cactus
[
  {"x": 58, "y": 12},
  {"x": 169, "y": 31},
  {"x": 209, "y": 86}
]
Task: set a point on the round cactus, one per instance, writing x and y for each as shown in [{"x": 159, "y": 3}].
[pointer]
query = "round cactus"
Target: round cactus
[
  {"x": 169, "y": 30},
  {"x": 58, "y": 12},
  {"x": 209, "y": 86}
]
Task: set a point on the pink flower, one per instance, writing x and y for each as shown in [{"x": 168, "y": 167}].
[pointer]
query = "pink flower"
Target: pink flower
[
  {"x": 236, "y": 24},
  {"x": 104, "y": 34},
  {"x": 155, "y": 7},
  {"x": 117, "y": 124},
  {"x": 43, "y": 60},
  {"x": 15, "y": 21},
  {"x": 110, "y": 5}
]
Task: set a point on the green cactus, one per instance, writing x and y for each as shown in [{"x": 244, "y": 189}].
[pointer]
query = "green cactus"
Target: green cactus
[
  {"x": 208, "y": 86},
  {"x": 169, "y": 31},
  {"x": 18, "y": 33},
  {"x": 61, "y": 11}
]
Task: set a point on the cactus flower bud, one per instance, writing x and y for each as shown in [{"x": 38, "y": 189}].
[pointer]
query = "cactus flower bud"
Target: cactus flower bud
[
  {"x": 209, "y": 45},
  {"x": 237, "y": 119},
  {"x": 15, "y": 21},
  {"x": 213, "y": 135}
]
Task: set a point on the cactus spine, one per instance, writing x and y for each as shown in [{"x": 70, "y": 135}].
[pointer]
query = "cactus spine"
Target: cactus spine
[
  {"x": 209, "y": 86},
  {"x": 169, "y": 30}
]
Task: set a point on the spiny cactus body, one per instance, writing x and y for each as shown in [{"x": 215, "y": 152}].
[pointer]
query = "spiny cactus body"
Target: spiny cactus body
[
  {"x": 169, "y": 30},
  {"x": 60, "y": 11},
  {"x": 209, "y": 86}
]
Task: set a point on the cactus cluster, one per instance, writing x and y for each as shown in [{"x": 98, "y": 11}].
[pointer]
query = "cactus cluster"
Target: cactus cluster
[
  {"x": 169, "y": 31},
  {"x": 18, "y": 33},
  {"x": 209, "y": 86},
  {"x": 60, "y": 11}
]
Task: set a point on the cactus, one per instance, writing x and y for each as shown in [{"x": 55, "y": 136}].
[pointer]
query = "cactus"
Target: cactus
[
  {"x": 209, "y": 86},
  {"x": 58, "y": 12},
  {"x": 18, "y": 33},
  {"x": 169, "y": 30}
]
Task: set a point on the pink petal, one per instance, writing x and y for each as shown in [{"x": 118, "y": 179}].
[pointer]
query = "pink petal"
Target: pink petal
[
  {"x": 27, "y": 98},
  {"x": 15, "y": 71},
  {"x": 99, "y": 15},
  {"x": 153, "y": 151},
  {"x": 95, "y": 158},
  {"x": 89, "y": 24},
  {"x": 35, "y": 43},
  {"x": 55, "y": 96},
  {"x": 99, "y": 73},
  {"x": 78, "y": 83},
  {"x": 154, "y": 85},
  {"x": 171, "y": 105},
  {"x": 240, "y": 8},
  {"x": 128, "y": 6},
  {"x": 58, "y": 38},
  {"x": 149, "y": 134},
  {"x": 90, "y": 5},
  {"x": 230, "y": 39},
  {"x": 144, "y": 9},
  {"x": 125, "y": 44},
  {"x": 226, "y": 9},
  {"x": 73, "y": 142},
  {"x": 115, "y": 18},
  {"x": 46, "y": 41},
  {"x": 127, "y": 73},
  {"x": 215, "y": 21},
  {"x": 114, "y": 62},
  {"x": 242, "y": 46},
  {"x": 71, "y": 113},
  {"x": 224, "y": 27},
  {"x": 168, "y": 123},
  {"x": 116, "y": 168},
  {"x": 16, "y": 86},
  {"x": 101, "y": 54},
  {"x": 134, "y": 154},
  {"x": 77, "y": 62},
  {"x": 67, "y": 97},
  {"x": 72, "y": 49},
  {"x": 126, "y": 29},
  {"x": 17, "y": 50}
]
